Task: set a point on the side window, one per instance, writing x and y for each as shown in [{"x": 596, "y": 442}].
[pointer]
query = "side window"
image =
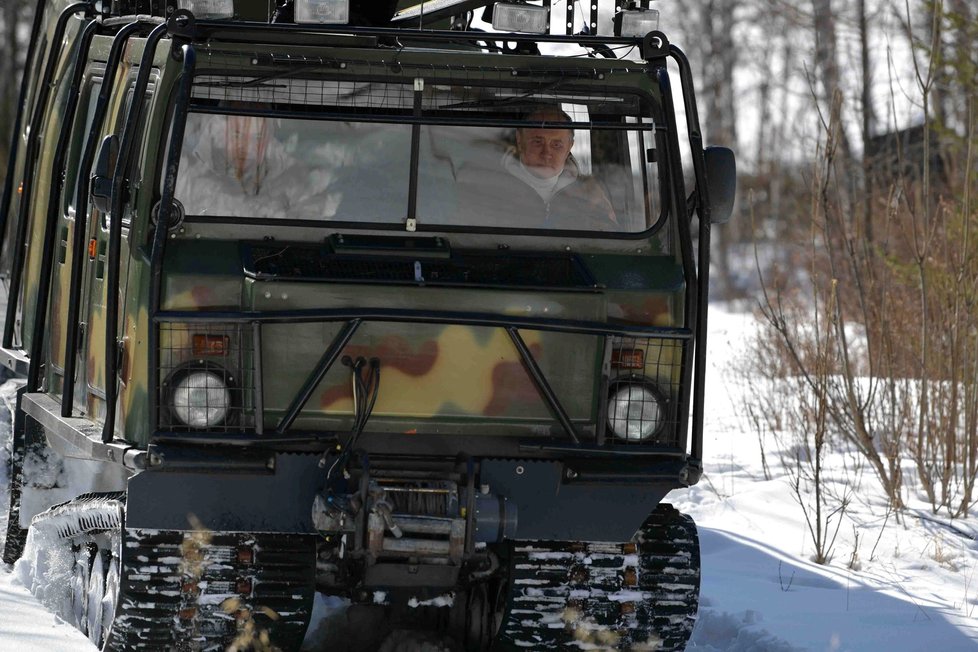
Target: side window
[
  {"x": 644, "y": 171},
  {"x": 79, "y": 141}
]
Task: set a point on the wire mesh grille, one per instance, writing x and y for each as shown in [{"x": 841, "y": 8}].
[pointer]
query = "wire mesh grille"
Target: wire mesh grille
[
  {"x": 207, "y": 377},
  {"x": 389, "y": 86},
  {"x": 644, "y": 391}
]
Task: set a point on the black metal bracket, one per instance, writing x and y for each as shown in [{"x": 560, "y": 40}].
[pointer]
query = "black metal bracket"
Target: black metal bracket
[
  {"x": 182, "y": 24},
  {"x": 655, "y": 45}
]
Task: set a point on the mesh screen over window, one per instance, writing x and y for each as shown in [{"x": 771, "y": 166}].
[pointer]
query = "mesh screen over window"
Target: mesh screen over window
[{"x": 304, "y": 138}]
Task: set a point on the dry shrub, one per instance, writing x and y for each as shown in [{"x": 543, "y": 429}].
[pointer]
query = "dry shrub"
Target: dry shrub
[{"x": 883, "y": 344}]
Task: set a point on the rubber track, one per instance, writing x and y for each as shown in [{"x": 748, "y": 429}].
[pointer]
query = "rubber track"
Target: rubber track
[
  {"x": 197, "y": 590},
  {"x": 638, "y": 596}
]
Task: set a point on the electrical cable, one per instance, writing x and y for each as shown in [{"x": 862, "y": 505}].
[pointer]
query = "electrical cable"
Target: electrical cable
[{"x": 362, "y": 406}]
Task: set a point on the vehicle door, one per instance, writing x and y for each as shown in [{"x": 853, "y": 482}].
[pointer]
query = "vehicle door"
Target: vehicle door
[{"x": 91, "y": 389}]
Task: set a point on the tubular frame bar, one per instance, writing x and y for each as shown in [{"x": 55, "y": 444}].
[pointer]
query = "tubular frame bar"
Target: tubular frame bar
[
  {"x": 421, "y": 120},
  {"x": 119, "y": 43},
  {"x": 119, "y": 189},
  {"x": 46, "y": 279},
  {"x": 543, "y": 387},
  {"x": 459, "y": 318},
  {"x": 171, "y": 167},
  {"x": 703, "y": 287},
  {"x": 677, "y": 196},
  {"x": 30, "y": 156},
  {"x": 200, "y": 30},
  {"x": 319, "y": 372}
]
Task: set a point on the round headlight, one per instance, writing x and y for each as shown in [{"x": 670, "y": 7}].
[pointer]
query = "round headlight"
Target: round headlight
[
  {"x": 201, "y": 399},
  {"x": 635, "y": 412}
]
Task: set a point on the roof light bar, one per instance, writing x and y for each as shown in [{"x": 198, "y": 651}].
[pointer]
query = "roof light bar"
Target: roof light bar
[
  {"x": 528, "y": 19},
  {"x": 636, "y": 22},
  {"x": 209, "y": 8},
  {"x": 322, "y": 12}
]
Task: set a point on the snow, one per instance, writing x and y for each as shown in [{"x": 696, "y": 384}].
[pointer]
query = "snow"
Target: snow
[{"x": 900, "y": 583}]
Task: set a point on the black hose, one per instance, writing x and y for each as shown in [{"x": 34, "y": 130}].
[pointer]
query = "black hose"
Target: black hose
[{"x": 362, "y": 406}]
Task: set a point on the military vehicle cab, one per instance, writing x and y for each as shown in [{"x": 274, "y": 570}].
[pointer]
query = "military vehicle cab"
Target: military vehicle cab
[{"x": 399, "y": 302}]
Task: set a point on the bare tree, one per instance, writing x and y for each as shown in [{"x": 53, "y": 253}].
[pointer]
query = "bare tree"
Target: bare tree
[
  {"x": 827, "y": 62},
  {"x": 15, "y": 19},
  {"x": 868, "y": 115},
  {"x": 718, "y": 62}
]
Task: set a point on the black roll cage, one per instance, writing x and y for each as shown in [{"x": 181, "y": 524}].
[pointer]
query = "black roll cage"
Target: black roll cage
[
  {"x": 82, "y": 204},
  {"x": 184, "y": 31}
]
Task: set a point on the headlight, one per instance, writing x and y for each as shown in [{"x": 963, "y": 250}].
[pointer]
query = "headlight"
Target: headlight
[
  {"x": 636, "y": 22},
  {"x": 323, "y": 12},
  {"x": 200, "y": 398},
  {"x": 519, "y": 18},
  {"x": 207, "y": 9},
  {"x": 635, "y": 412}
]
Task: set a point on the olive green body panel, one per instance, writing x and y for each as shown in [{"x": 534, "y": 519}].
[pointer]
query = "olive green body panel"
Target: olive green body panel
[
  {"x": 45, "y": 180},
  {"x": 42, "y": 50}
]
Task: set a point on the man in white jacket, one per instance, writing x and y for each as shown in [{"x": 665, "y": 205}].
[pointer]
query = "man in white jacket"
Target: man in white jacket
[{"x": 550, "y": 192}]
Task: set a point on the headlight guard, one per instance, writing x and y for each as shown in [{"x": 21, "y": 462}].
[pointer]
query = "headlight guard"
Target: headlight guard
[{"x": 199, "y": 395}]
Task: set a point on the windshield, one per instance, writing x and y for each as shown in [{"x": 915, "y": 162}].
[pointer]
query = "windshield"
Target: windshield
[{"x": 304, "y": 149}]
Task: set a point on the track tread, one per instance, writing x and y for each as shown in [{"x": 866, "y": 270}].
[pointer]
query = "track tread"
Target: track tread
[
  {"x": 191, "y": 590},
  {"x": 639, "y": 596}
]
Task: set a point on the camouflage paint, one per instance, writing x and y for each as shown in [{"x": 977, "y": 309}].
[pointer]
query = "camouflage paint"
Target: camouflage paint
[
  {"x": 43, "y": 182},
  {"x": 41, "y": 53},
  {"x": 432, "y": 371}
]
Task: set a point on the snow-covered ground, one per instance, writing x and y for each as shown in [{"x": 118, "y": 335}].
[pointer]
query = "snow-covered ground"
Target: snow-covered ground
[{"x": 897, "y": 585}]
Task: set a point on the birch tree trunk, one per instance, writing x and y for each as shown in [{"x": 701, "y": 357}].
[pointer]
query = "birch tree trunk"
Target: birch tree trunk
[{"x": 717, "y": 21}]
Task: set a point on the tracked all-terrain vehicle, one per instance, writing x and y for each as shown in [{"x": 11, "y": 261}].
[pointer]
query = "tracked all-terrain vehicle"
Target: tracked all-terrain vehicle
[{"x": 360, "y": 299}]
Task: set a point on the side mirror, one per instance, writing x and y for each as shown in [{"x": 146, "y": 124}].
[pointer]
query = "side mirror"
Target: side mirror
[
  {"x": 101, "y": 185},
  {"x": 721, "y": 179}
]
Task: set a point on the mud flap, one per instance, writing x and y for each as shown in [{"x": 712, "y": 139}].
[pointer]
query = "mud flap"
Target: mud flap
[{"x": 259, "y": 493}]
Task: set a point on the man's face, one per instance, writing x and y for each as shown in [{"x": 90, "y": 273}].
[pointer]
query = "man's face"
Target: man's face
[{"x": 544, "y": 151}]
